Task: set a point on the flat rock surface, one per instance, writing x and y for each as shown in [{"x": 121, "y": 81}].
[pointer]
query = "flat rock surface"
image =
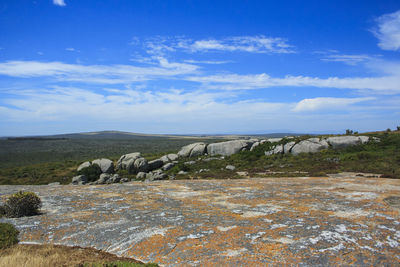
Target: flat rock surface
[{"x": 247, "y": 222}]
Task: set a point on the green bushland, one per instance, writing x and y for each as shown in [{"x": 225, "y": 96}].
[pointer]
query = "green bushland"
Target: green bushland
[
  {"x": 118, "y": 264},
  {"x": 8, "y": 235},
  {"x": 22, "y": 204},
  {"x": 378, "y": 157},
  {"x": 42, "y": 161}
]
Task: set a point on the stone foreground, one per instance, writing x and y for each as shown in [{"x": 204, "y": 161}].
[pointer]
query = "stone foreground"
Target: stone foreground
[{"x": 295, "y": 221}]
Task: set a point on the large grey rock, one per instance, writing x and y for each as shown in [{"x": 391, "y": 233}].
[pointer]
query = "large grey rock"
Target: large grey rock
[
  {"x": 104, "y": 177},
  {"x": 198, "y": 150},
  {"x": 80, "y": 179},
  {"x": 274, "y": 140},
  {"x": 364, "y": 139},
  {"x": 256, "y": 144},
  {"x": 106, "y": 165},
  {"x": 168, "y": 166},
  {"x": 155, "y": 164},
  {"x": 156, "y": 175},
  {"x": 230, "y": 167},
  {"x": 278, "y": 149},
  {"x": 192, "y": 150},
  {"x": 228, "y": 148},
  {"x": 115, "y": 178},
  {"x": 169, "y": 157},
  {"x": 344, "y": 141},
  {"x": 288, "y": 147},
  {"x": 141, "y": 175},
  {"x": 126, "y": 161},
  {"x": 311, "y": 145},
  {"x": 133, "y": 162},
  {"x": 84, "y": 165},
  {"x": 140, "y": 165}
]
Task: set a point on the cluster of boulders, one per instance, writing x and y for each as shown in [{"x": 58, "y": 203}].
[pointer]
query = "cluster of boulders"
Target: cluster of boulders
[
  {"x": 222, "y": 148},
  {"x": 152, "y": 170},
  {"x": 133, "y": 163},
  {"x": 313, "y": 145}
]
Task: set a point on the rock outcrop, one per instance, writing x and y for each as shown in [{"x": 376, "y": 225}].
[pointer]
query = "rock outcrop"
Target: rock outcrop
[
  {"x": 313, "y": 145},
  {"x": 79, "y": 180},
  {"x": 169, "y": 157},
  {"x": 192, "y": 150},
  {"x": 133, "y": 163},
  {"x": 155, "y": 164},
  {"x": 106, "y": 165},
  {"x": 344, "y": 141},
  {"x": 84, "y": 165},
  {"x": 229, "y": 147}
]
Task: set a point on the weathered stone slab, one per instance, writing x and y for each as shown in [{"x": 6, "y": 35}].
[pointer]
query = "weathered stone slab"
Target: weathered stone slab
[{"x": 248, "y": 222}]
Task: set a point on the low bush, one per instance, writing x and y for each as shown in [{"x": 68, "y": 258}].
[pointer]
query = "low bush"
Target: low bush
[
  {"x": 8, "y": 235},
  {"x": 2, "y": 211},
  {"x": 92, "y": 172},
  {"x": 22, "y": 204}
]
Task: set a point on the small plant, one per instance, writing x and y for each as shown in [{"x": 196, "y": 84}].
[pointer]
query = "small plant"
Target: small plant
[
  {"x": 22, "y": 204},
  {"x": 92, "y": 172},
  {"x": 2, "y": 211},
  {"x": 8, "y": 235}
]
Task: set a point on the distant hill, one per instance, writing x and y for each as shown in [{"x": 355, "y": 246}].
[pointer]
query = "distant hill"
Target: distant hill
[{"x": 113, "y": 135}]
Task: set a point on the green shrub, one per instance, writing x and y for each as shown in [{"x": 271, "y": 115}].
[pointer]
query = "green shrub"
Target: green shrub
[
  {"x": 92, "y": 172},
  {"x": 2, "y": 211},
  {"x": 22, "y": 204},
  {"x": 8, "y": 235}
]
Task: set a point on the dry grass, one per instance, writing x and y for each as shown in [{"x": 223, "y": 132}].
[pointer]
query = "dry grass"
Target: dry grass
[{"x": 54, "y": 255}]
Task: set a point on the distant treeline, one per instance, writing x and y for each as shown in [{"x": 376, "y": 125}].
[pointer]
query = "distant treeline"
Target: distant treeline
[{"x": 35, "y": 138}]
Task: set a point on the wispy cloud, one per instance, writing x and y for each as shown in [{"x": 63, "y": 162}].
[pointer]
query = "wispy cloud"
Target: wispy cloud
[
  {"x": 71, "y": 49},
  {"x": 106, "y": 74},
  {"x": 385, "y": 83},
  {"x": 326, "y": 103},
  {"x": 388, "y": 31},
  {"x": 59, "y": 2},
  {"x": 347, "y": 59},
  {"x": 211, "y": 62},
  {"x": 249, "y": 44},
  {"x": 175, "y": 111}
]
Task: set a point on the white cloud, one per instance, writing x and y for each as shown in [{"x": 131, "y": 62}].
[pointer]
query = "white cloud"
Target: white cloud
[
  {"x": 212, "y": 62},
  {"x": 325, "y": 103},
  {"x": 173, "y": 108},
  {"x": 347, "y": 59},
  {"x": 71, "y": 49},
  {"x": 59, "y": 2},
  {"x": 178, "y": 111},
  {"x": 107, "y": 74},
  {"x": 250, "y": 44},
  {"x": 386, "y": 84},
  {"x": 388, "y": 31}
]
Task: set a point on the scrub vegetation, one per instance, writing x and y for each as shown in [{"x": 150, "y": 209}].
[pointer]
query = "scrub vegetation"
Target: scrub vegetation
[{"x": 55, "y": 165}]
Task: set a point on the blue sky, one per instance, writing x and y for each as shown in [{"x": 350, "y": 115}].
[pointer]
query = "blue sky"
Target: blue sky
[{"x": 198, "y": 66}]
